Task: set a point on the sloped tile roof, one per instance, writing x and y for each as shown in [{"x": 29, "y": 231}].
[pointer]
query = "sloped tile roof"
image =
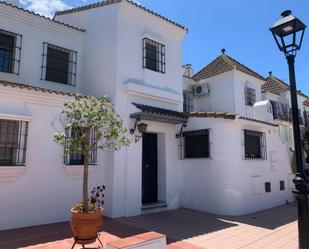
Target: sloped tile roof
[
  {"x": 276, "y": 86},
  {"x": 306, "y": 103},
  {"x": 222, "y": 64},
  {"x": 108, "y": 2},
  {"x": 44, "y": 17},
  {"x": 161, "y": 111},
  {"x": 32, "y": 88},
  {"x": 257, "y": 121},
  {"x": 225, "y": 115}
]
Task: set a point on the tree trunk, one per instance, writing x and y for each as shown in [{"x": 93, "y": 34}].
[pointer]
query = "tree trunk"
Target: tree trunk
[{"x": 85, "y": 176}]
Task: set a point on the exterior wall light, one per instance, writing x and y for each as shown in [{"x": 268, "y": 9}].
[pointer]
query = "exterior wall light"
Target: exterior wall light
[{"x": 142, "y": 128}]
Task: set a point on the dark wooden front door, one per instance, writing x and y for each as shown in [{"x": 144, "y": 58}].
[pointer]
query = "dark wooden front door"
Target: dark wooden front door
[{"x": 149, "y": 168}]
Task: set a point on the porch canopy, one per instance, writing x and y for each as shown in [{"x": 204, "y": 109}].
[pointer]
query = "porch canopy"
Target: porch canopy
[{"x": 157, "y": 114}]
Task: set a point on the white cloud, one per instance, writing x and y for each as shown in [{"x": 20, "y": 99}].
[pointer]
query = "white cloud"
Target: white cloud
[
  {"x": 49, "y": 7},
  {"x": 44, "y": 7}
]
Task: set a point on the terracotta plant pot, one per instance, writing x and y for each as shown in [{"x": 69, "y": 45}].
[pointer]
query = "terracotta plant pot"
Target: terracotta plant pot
[{"x": 86, "y": 226}]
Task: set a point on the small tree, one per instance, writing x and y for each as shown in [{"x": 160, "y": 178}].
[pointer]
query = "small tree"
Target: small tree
[{"x": 86, "y": 116}]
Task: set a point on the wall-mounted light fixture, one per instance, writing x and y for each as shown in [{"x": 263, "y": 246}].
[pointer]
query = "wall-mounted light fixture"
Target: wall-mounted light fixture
[
  {"x": 142, "y": 128},
  {"x": 184, "y": 124}
]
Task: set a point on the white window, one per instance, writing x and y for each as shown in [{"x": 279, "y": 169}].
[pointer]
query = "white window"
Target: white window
[
  {"x": 153, "y": 55},
  {"x": 13, "y": 142},
  {"x": 255, "y": 145},
  {"x": 250, "y": 96},
  {"x": 10, "y": 50},
  {"x": 59, "y": 64},
  {"x": 188, "y": 101},
  {"x": 285, "y": 133},
  {"x": 76, "y": 157}
]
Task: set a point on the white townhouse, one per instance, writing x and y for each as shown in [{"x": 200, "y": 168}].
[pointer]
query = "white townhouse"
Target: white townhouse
[
  {"x": 278, "y": 93},
  {"x": 116, "y": 48},
  {"x": 233, "y": 160},
  {"x": 211, "y": 143}
]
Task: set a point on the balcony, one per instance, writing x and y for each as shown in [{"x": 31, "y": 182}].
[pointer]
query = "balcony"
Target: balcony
[{"x": 284, "y": 113}]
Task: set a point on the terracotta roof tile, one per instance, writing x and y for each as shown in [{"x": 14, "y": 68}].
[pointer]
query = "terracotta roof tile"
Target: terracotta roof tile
[
  {"x": 276, "y": 86},
  {"x": 257, "y": 121},
  {"x": 160, "y": 111},
  {"x": 222, "y": 64},
  {"x": 306, "y": 103},
  {"x": 33, "y": 88},
  {"x": 108, "y": 2},
  {"x": 225, "y": 115},
  {"x": 46, "y": 18}
]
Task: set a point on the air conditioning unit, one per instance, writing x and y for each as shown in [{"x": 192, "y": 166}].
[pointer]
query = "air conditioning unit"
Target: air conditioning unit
[{"x": 201, "y": 89}]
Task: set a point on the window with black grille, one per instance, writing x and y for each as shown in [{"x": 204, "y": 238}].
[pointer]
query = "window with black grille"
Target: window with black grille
[
  {"x": 10, "y": 50},
  {"x": 196, "y": 144},
  {"x": 188, "y": 101},
  {"x": 250, "y": 96},
  {"x": 153, "y": 55},
  {"x": 255, "y": 145},
  {"x": 76, "y": 157},
  {"x": 267, "y": 187},
  {"x": 13, "y": 142},
  {"x": 282, "y": 185},
  {"x": 59, "y": 64}
]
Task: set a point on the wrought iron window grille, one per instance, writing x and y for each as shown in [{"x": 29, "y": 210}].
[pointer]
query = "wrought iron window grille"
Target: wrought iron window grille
[
  {"x": 267, "y": 187},
  {"x": 75, "y": 157},
  {"x": 10, "y": 52},
  {"x": 58, "y": 64},
  {"x": 13, "y": 142},
  {"x": 282, "y": 185},
  {"x": 153, "y": 55},
  {"x": 250, "y": 96},
  {"x": 188, "y": 101},
  {"x": 196, "y": 144},
  {"x": 255, "y": 145}
]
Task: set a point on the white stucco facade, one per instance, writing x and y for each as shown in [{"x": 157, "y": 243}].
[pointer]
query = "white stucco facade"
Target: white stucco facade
[
  {"x": 227, "y": 183},
  {"x": 109, "y": 46}
]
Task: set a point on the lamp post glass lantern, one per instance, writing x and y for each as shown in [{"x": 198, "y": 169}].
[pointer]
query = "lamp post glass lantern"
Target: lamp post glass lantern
[{"x": 288, "y": 32}]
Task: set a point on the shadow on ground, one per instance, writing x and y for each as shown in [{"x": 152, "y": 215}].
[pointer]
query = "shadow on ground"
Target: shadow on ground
[
  {"x": 177, "y": 225},
  {"x": 269, "y": 218}
]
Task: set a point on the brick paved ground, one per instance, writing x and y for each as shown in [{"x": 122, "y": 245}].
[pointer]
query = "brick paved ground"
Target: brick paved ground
[{"x": 185, "y": 228}]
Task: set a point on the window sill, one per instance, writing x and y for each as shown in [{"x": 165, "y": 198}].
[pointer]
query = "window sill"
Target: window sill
[
  {"x": 153, "y": 71},
  {"x": 76, "y": 171},
  {"x": 198, "y": 158},
  {"x": 60, "y": 83},
  {"x": 11, "y": 173}
]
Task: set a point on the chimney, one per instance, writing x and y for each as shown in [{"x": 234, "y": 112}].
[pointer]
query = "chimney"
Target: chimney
[{"x": 188, "y": 72}]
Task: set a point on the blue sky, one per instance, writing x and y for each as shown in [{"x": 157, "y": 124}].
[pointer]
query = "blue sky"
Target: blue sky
[{"x": 239, "y": 26}]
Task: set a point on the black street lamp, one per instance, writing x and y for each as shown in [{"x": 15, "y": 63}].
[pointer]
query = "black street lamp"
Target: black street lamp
[{"x": 288, "y": 32}]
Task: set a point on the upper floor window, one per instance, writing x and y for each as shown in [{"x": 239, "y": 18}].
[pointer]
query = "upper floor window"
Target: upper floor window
[
  {"x": 250, "y": 96},
  {"x": 10, "y": 50},
  {"x": 76, "y": 157},
  {"x": 285, "y": 133},
  {"x": 188, "y": 101},
  {"x": 196, "y": 144},
  {"x": 255, "y": 145},
  {"x": 13, "y": 141},
  {"x": 153, "y": 55},
  {"x": 59, "y": 64}
]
